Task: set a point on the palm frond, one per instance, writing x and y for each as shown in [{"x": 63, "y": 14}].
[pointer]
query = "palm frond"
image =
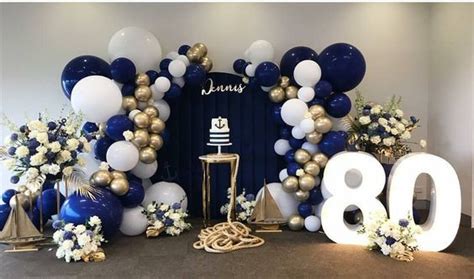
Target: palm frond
[{"x": 78, "y": 182}]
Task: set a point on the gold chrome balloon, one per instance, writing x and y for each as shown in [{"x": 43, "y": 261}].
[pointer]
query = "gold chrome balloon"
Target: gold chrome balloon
[
  {"x": 156, "y": 141},
  {"x": 142, "y": 79},
  {"x": 151, "y": 111},
  {"x": 295, "y": 222},
  {"x": 291, "y": 92},
  {"x": 118, "y": 174},
  {"x": 206, "y": 63},
  {"x": 284, "y": 81},
  {"x": 101, "y": 178},
  {"x": 321, "y": 159},
  {"x": 312, "y": 168},
  {"x": 290, "y": 184},
  {"x": 277, "y": 94},
  {"x": 314, "y": 137},
  {"x": 143, "y": 93},
  {"x": 119, "y": 186},
  {"x": 141, "y": 120},
  {"x": 141, "y": 138},
  {"x": 322, "y": 124},
  {"x": 301, "y": 195},
  {"x": 193, "y": 55},
  {"x": 307, "y": 182},
  {"x": 200, "y": 48},
  {"x": 302, "y": 156},
  {"x": 129, "y": 103},
  {"x": 156, "y": 125},
  {"x": 316, "y": 111},
  {"x": 147, "y": 155}
]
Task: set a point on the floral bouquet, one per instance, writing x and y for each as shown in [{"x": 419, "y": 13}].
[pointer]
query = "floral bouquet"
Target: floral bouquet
[
  {"x": 166, "y": 218},
  {"x": 245, "y": 205},
  {"x": 394, "y": 239},
  {"x": 81, "y": 242},
  {"x": 382, "y": 130}
]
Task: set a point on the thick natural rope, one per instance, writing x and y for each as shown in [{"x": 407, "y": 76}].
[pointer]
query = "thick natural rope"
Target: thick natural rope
[{"x": 228, "y": 236}]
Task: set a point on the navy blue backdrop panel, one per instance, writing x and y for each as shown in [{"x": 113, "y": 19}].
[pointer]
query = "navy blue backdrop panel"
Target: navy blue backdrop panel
[{"x": 252, "y": 133}]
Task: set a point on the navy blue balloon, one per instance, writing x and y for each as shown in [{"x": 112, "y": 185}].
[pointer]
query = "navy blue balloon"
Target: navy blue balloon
[
  {"x": 343, "y": 65},
  {"x": 239, "y": 66},
  {"x": 35, "y": 215},
  {"x": 294, "y": 56},
  {"x": 183, "y": 49},
  {"x": 4, "y": 213},
  {"x": 174, "y": 92},
  {"x": 267, "y": 74},
  {"x": 322, "y": 89},
  {"x": 332, "y": 143},
  {"x": 305, "y": 209},
  {"x": 315, "y": 196},
  {"x": 81, "y": 67},
  {"x": 7, "y": 195},
  {"x": 90, "y": 127},
  {"x": 290, "y": 156},
  {"x": 135, "y": 194},
  {"x": 292, "y": 168},
  {"x": 285, "y": 132},
  {"x": 118, "y": 124},
  {"x": 338, "y": 105},
  {"x": 123, "y": 70},
  {"x": 101, "y": 146},
  {"x": 48, "y": 184},
  {"x": 49, "y": 201},
  {"x": 166, "y": 74},
  {"x": 276, "y": 115},
  {"x": 128, "y": 89},
  {"x": 152, "y": 75},
  {"x": 317, "y": 101},
  {"x": 296, "y": 143},
  {"x": 195, "y": 75},
  {"x": 77, "y": 209},
  {"x": 164, "y": 64},
  {"x": 132, "y": 177}
]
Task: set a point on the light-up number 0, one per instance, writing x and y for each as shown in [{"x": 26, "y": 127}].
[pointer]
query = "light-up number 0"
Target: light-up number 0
[{"x": 443, "y": 221}]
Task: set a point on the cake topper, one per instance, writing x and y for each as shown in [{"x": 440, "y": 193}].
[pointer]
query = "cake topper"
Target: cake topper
[{"x": 219, "y": 134}]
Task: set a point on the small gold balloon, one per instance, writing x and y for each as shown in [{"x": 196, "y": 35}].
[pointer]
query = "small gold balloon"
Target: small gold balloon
[
  {"x": 23, "y": 201},
  {"x": 295, "y": 222},
  {"x": 193, "y": 55},
  {"x": 312, "y": 168},
  {"x": 142, "y": 79},
  {"x": 284, "y": 81},
  {"x": 291, "y": 92},
  {"x": 307, "y": 182},
  {"x": 316, "y": 111},
  {"x": 118, "y": 174},
  {"x": 151, "y": 111},
  {"x": 147, "y": 155},
  {"x": 101, "y": 178},
  {"x": 206, "y": 62},
  {"x": 156, "y": 141},
  {"x": 290, "y": 184},
  {"x": 129, "y": 103},
  {"x": 314, "y": 137},
  {"x": 321, "y": 159},
  {"x": 277, "y": 94},
  {"x": 156, "y": 125},
  {"x": 141, "y": 138},
  {"x": 301, "y": 195},
  {"x": 322, "y": 124},
  {"x": 302, "y": 156},
  {"x": 119, "y": 186},
  {"x": 141, "y": 120},
  {"x": 143, "y": 93},
  {"x": 201, "y": 48}
]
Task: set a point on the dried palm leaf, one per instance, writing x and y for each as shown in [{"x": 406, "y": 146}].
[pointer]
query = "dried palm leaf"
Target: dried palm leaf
[{"x": 78, "y": 182}]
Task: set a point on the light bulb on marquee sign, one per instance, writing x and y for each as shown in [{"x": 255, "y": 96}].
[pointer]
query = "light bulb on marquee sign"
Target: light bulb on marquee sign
[{"x": 445, "y": 213}]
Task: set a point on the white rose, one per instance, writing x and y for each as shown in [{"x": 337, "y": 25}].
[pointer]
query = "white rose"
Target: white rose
[
  {"x": 95, "y": 221},
  {"x": 70, "y": 129},
  {"x": 55, "y": 147},
  {"x": 79, "y": 229},
  {"x": 44, "y": 169},
  {"x": 77, "y": 255},
  {"x": 386, "y": 250},
  {"x": 389, "y": 141},
  {"x": 69, "y": 227},
  {"x": 67, "y": 244},
  {"x": 72, "y": 144},
  {"x": 22, "y": 151},
  {"x": 394, "y": 131},
  {"x": 175, "y": 216},
  {"x": 375, "y": 139},
  {"x": 42, "y": 137},
  {"x": 364, "y": 120},
  {"x": 399, "y": 113},
  {"x": 42, "y": 149},
  {"x": 405, "y": 135},
  {"x": 150, "y": 208},
  {"x": 37, "y": 126},
  {"x": 60, "y": 253},
  {"x": 32, "y": 173},
  {"x": 64, "y": 156},
  {"x": 383, "y": 121},
  {"x": 83, "y": 239},
  {"x": 400, "y": 127},
  {"x": 393, "y": 121},
  {"x": 164, "y": 207},
  {"x": 37, "y": 159},
  {"x": 67, "y": 171}
]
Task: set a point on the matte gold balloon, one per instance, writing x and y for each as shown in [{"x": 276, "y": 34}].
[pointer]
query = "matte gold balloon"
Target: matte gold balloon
[
  {"x": 156, "y": 125},
  {"x": 307, "y": 182},
  {"x": 156, "y": 141},
  {"x": 129, "y": 103},
  {"x": 276, "y": 94},
  {"x": 295, "y": 222},
  {"x": 284, "y": 82},
  {"x": 316, "y": 111},
  {"x": 143, "y": 93},
  {"x": 200, "y": 48},
  {"x": 321, "y": 159},
  {"x": 322, "y": 124},
  {"x": 141, "y": 120},
  {"x": 147, "y": 155},
  {"x": 193, "y": 55},
  {"x": 314, "y": 137},
  {"x": 207, "y": 64},
  {"x": 151, "y": 111},
  {"x": 290, "y": 184},
  {"x": 312, "y": 168},
  {"x": 23, "y": 201},
  {"x": 291, "y": 92},
  {"x": 101, "y": 178},
  {"x": 141, "y": 138},
  {"x": 142, "y": 79},
  {"x": 301, "y": 195},
  {"x": 118, "y": 174},
  {"x": 302, "y": 156},
  {"x": 119, "y": 186}
]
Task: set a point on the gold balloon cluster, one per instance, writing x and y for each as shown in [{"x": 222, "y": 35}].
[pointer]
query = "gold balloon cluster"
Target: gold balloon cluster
[
  {"x": 283, "y": 91},
  {"x": 322, "y": 124},
  {"x": 116, "y": 180},
  {"x": 198, "y": 54}
]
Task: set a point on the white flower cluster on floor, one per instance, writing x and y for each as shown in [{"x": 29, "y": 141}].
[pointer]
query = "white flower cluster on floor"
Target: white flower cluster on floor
[
  {"x": 168, "y": 218},
  {"x": 78, "y": 242},
  {"x": 245, "y": 203}
]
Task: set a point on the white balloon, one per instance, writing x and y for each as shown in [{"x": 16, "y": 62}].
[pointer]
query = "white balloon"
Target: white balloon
[
  {"x": 281, "y": 146},
  {"x": 306, "y": 94},
  {"x": 172, "y": 55},
  {"x": 283, "y": 174},
  {"x": 146, "y": 183},
  {"x": 98, "y": 98},
  {"x": 250, "y": 70},
  {"x": 307, "y": 125},
  {"x": 286, "y": 202},
  {"x": 297, "y": 133},
  {"x": 144, "y": 171},
  {"x": 162, "y": 84},
  {"x": 163, "y": 108},
  {"x": 133, "y": 221},
  {"x": 184, "y": 59},
  {"x": 122, "y": 155},
  {"x": 91, "y": 164},
  {"x": 156, "y": 94},
  {"x": 177, "y": 68},
  {"x": 132, "y": 114},
  {"x": 311, "y": 148},
  {"x": 167, "y": 193},
  {"x": 307, "y": 73},
  {"x": 260, "y": 51},
  {"x": 138, "y": 45},
  {"x": 312, "y": 223},
  {"x": 293, "y": 111},
  {"x": 179, "y": 81}
]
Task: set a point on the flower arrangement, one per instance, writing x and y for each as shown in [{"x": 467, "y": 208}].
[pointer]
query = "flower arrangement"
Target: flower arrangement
[
  {"x": 394, "y": 239},
  {"x": 166, "y": 218},
  {"x": 81, "y": 242},
  {"x": 244, "y": 208},
  {"x": 382, "y": 130}
]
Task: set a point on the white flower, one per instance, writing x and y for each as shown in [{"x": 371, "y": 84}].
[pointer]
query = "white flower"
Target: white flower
[
  {"x": 383, "y": 122},
  {"x": 37, "y": 159},
  {"x": 58, "y": 236},
  {"x": 54, "y": 169},
  {"x": 22, "y": 151},
  {"x": 151, "y": 208},
  {"x": 389, "y": 141},
  {"x": 79, "y": 229},
  {"x": 68, "y": 227},
  {"x": 81, "y": 162},
  {"x": 376, "y": 109},
  {"x": 399, "y": 113},
  {"x": 72, "y": 144},
  {"x": 42, "y": 149},
  {"x": 83, "y": 239},
  {"x": 300, "y": 172},
  {"x": 104, "y": 166},
  {"x": 364, "y": 120},
  {"x": 175, "y": 216},
  {"x": 67, "y": 244},
  {"x": 9, "y": 163},
  {"x": 32, "y": 173},
  {"x": 386, "y": 249},
  {"x": 394, "y": 131},
  {"x": 42, "y": 138},
  {"x": 64, "y": 156},
  {"x": 164, "y": 207},
  {"x": 44, "y": 169},
  {"x": 400, "y": 127},
  {"x": 55, "y": 147},
  {"x": 95, "y": 221},
  {"x": 423, "y": 143},
  {"x": 37, "y": 126},
  {"x": 60, "y": 253},
  {"x": 67, "y": 171},
  {"x": 128, "y": 135},
  {"x": 393, "y": 121},
  {"x": 405, "y": 135},
  {"x": 70, "y": 129},
  {"x": 375, "y": 139},
  {"x": 77, "y": 255}
]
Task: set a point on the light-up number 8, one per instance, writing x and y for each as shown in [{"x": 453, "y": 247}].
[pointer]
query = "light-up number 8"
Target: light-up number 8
[{"x": 441, "y": 227}]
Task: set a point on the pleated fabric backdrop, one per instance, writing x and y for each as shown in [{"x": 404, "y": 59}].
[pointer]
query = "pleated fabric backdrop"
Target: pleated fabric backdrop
[{"x": 252, "y": 133}]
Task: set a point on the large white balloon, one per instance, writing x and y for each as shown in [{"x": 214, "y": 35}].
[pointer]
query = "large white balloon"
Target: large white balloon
[
  {"x": 162, "y": 84},
  {"x": 156, "y": 94},
  {"x": 312, "y": 223},
  {"x": 307, "y": 73},
  {"x": 307, "y": 125},
  {"x": 286, "y": 202},
  {"x": 138, "y": 45},
  {"x": 133, "y": 221},
  {"x": 122, "y": 155},
  {"x": 311, "y": 148},
  {"x": 144, "y": 171},
  {"x": 260, "y": 51},
  {"x": 98, "y": 98},
  {"x": 167, "y": 193},
  {"x": 281, "y": 146},
  {"x": 293, "y": 111},
  {"x": 177, "y": 68},
  {"x": 163, "y": 108}
]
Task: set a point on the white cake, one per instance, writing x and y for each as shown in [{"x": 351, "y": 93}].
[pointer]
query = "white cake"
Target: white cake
[{"x": 219, "y": 132}]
